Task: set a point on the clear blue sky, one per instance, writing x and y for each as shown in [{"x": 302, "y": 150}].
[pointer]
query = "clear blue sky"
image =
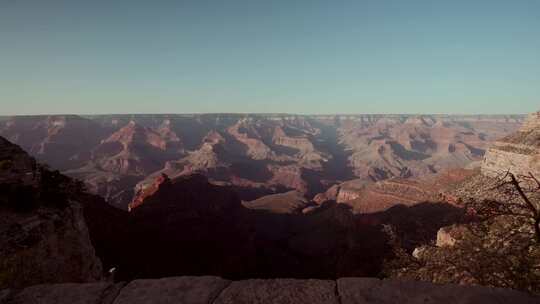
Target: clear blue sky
[{"x": 296, "y": 56}]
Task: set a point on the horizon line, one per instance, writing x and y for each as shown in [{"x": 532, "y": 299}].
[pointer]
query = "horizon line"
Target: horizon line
[{"x": 265, "y": 114}]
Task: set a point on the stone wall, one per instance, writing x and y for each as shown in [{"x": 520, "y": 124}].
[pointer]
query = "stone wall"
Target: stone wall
[{"x": 201, "y": 290}]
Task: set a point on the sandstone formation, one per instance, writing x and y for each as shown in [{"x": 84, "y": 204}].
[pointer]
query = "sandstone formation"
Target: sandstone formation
[
  {"x": 150, "y": 190},
  {"x": 209, "y": 290},
  {"x": 289, "y": 202},
  {"x": 518, "y": 153},
  {"x": 365, "y": 197},
  {"x": 410, "y": 146},
  {"x": 117, "y": 156}
]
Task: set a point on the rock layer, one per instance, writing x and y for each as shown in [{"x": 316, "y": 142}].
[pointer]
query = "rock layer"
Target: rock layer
[
  {"x": 117, "y": 155},
  {"x": 518, "y": 153}
]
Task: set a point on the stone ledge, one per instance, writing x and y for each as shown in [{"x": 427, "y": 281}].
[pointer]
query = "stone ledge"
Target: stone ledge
[
  {"x": 208, "y": 290},
  {"x": 370, "y": 290},
  {"x": 283, "y": 291},
  {"x": 192, "y": 290}
]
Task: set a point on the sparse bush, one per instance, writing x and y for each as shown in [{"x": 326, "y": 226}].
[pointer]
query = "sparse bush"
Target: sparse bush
[{"x": 500, "y": 249}]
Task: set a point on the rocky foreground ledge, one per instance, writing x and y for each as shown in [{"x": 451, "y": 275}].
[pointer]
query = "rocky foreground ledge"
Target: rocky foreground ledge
[{"x": 202, "y": 290}]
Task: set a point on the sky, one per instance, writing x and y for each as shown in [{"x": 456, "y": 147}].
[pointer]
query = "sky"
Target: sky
[{"x": 279, "y": 56}]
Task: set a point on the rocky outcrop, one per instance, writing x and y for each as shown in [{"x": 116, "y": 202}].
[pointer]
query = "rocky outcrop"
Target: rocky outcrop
[
  {"x": 43, "y": 234},
  {"x": 149, "y": 190},
  {"x": 207, "y": 290},
  {"x": 256, "y": 148},
  {"x": 343, "y": 192},
  {"x": 330, "y": 195},
  {"x": 518, "y": 153},
  {"x": 450, "y": 235},
  {"x": 307, "y": 155},
  {"x": 531, "y": 123},
  {"x": 302, "y": 144},
  {"x": 288, "y": 176},
  {"x": 518, "y": 159},
  {"x": 350, "y": 190},
  {"x": 382, "y": 195},
  {"x": 134, "y": 150},
  {"x": 289, "y": 202}
]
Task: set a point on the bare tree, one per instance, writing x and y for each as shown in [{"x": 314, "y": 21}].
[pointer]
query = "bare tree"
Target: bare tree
[
  {"x": 521, "y": 198},
  {"x": 499, "y": 247}
]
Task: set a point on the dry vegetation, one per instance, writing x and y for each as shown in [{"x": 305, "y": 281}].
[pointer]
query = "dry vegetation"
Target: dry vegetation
[{"x": 499, "y": 247}]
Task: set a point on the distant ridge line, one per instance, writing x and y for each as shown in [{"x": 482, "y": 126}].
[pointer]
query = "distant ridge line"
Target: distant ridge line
[{"x": 261, "y": 115}]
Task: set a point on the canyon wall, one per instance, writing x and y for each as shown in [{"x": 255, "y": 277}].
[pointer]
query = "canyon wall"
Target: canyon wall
[
  {"x": 43, "y": 235},
  {"x": 518, "y": 153},
  {"x": 118, "y": 156}
]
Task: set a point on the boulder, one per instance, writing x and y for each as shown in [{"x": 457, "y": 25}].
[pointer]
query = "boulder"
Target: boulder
[{"x": 448, "y": 236}]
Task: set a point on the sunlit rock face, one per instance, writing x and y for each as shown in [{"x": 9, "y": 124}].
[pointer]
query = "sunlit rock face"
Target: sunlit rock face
[{"x": 518, "y": 153}]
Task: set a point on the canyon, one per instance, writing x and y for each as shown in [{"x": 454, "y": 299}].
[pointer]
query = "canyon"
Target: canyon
[
  {"x": 236, "y": 202},
  {"x": 119, "y": 156}
]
